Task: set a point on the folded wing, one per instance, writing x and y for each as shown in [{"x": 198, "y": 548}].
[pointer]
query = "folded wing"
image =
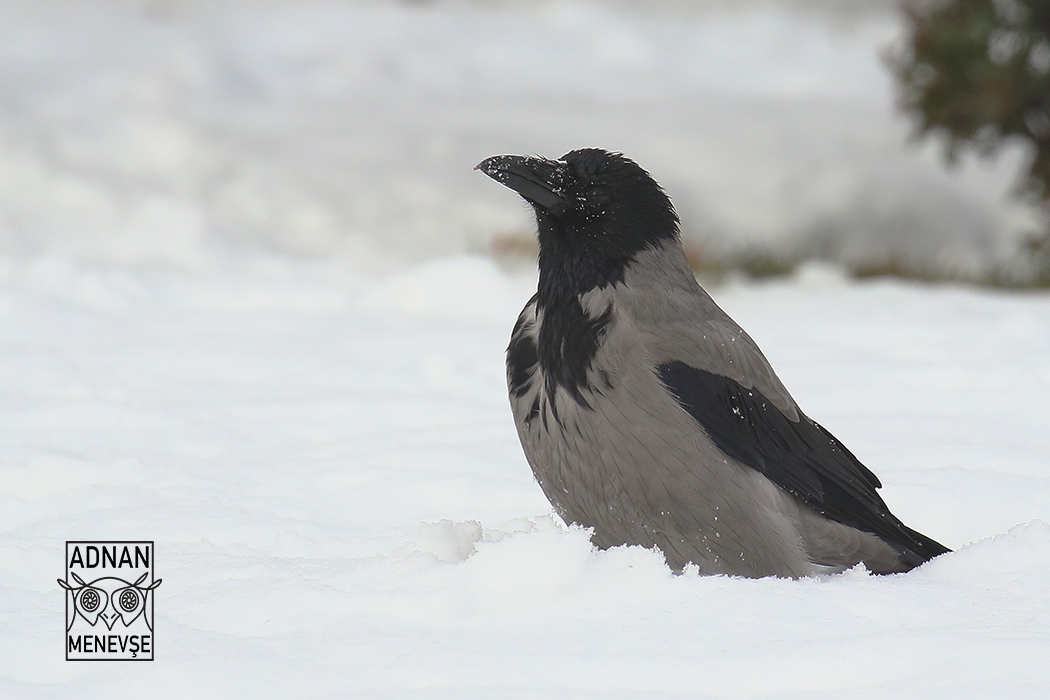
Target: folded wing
[{"x": 799, "y": 456}]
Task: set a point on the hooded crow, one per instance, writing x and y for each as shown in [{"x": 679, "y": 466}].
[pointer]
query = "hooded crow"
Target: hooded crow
[{"x": 651, "y": 417}]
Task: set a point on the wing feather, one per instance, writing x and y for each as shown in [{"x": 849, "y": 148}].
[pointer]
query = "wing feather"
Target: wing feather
[{"x": 798, "y": 455}]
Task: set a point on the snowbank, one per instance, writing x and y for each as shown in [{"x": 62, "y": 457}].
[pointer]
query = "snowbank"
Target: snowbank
[{"x": 341, "y": 508}]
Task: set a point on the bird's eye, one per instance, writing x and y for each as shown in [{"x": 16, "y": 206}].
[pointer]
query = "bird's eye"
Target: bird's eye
[
  {"x": 129, "y": 600},
  {"x": 594, "y": 198},
  {"x": 89, "y": 600}
]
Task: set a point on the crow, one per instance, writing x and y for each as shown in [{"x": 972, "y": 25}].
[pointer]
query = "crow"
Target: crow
[{"x": 648, "y": 415}]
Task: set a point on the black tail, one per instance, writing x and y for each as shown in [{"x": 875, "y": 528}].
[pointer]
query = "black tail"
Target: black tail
[{"x": 916, "y": 548}]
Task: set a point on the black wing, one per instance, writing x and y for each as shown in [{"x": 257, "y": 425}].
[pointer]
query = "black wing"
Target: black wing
[{"x": 800, "y": 457}]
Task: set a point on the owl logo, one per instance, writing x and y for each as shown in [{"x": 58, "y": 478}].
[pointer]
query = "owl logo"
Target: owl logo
[{"x": 110, "y": 599}]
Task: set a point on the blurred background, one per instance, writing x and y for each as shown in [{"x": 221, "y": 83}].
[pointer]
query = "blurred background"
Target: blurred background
[{"x": 178, "y": 133}]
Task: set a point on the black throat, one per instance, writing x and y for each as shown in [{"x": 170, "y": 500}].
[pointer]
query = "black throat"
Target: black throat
[
  {"x": 576, "y": 257},
  {"x": 569, "y": 336}
]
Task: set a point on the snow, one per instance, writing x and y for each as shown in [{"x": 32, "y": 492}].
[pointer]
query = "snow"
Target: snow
[
  {"x": 245, "y": 313},
  {"x": 341, "y": 507},
  {"x": 165, "y": 131}
]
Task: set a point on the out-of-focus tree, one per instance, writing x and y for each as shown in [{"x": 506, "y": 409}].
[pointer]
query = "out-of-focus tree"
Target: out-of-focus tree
[{"x": 978, "y": 73}]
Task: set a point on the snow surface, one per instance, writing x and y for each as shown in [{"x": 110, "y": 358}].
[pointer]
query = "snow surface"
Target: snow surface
[
  {"x": 239, "y": 317},
  {"x": 327, "y": 464}
]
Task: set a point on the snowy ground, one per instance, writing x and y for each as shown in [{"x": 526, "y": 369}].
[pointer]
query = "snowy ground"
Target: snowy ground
[
  {"x": 236, "y": 318},
  {"x": 327, "y": 464}
]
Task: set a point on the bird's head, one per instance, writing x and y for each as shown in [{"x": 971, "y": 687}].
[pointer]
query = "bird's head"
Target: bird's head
[{"x": 595, "y": 211}]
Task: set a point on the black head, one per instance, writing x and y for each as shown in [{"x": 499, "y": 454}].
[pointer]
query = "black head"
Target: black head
[{"x": 595, "y": 211}]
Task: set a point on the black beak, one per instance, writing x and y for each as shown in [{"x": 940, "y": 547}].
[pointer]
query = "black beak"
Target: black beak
[{"x": 538, "y": 180}]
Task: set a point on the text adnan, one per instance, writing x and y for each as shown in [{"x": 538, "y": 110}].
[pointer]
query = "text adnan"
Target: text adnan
[{"x": 114, "y": 557}]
